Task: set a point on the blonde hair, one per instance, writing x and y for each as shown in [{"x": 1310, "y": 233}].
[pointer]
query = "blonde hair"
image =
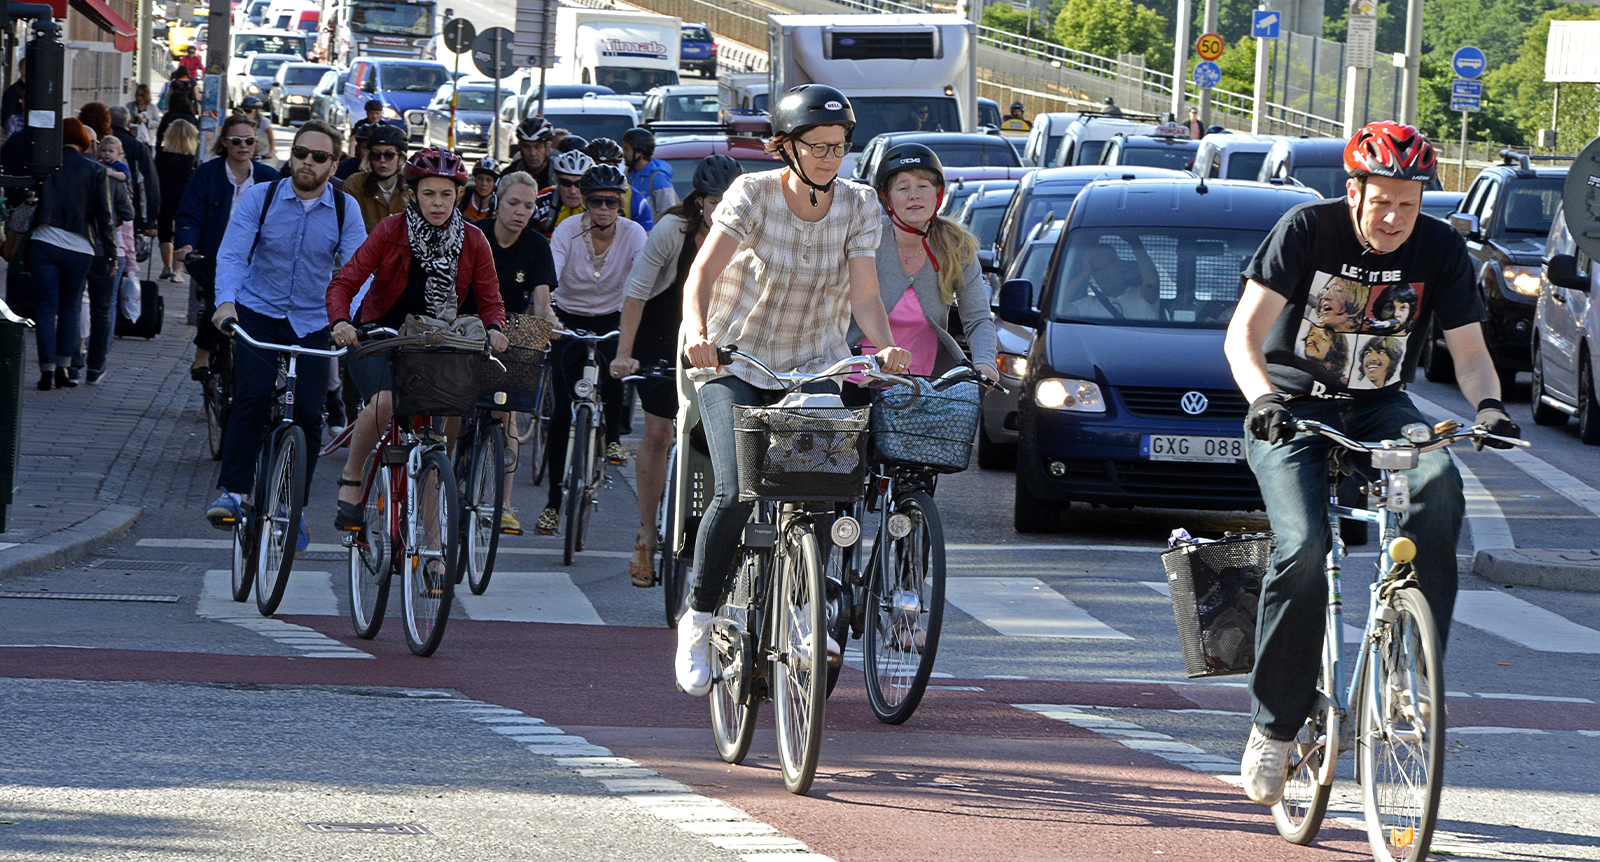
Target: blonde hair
[
  {"x": 516, "y": 178},
  {"x": 953, "y": 246},
  {"x": 181, "y": 137}
]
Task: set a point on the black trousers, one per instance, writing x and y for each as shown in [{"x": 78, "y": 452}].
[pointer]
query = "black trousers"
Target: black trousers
[{"x": 566, "y": 359}]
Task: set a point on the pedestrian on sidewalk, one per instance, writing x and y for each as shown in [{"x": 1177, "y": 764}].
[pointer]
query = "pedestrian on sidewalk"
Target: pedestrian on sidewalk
[
  {"x": 102, "y": 286},
  {"x": 203, "y": 216},
  {"x": 145, "y": 115},
  {"x": 182, "y": 103},
  {"x": 143, "y": 183},
  {"x": 272, "y": 277},
  {"x": 72, "y": 233},
  {"x": 175, "y": 164}
]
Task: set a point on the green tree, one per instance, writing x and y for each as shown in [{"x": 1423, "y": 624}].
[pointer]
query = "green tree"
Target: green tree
[
  {"x": 1518, "y": 92},
  {"x": 1239, "y": 66},
  {"x": 1112, "y": 27},
  {"x": 1030, "y": 23}
]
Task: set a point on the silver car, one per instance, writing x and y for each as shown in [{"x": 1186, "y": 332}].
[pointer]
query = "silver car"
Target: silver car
[
  {"x": 997, "y": 434},
  {"x": 289, "y": 98},
  {"x": 1566, "y": 336},
  {"x": 256, "y": 74}
]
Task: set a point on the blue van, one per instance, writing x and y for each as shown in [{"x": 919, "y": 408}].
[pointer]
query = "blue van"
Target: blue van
[{"x": 404, "y": 86}]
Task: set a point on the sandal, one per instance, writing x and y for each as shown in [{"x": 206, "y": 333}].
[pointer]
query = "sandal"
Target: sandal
[
  {"x": 643, "y": 573},
  {"x": 350, "y": 516}
]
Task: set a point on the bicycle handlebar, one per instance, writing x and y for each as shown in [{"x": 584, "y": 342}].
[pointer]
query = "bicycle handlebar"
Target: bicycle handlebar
[
  {"x": 232, "y": 327},
  {"x": 660, "y": 371},
  {"x": 584, "y": 335},
  {"x": 1439, "y": 436},
  {"x": 851, "y": 364}
]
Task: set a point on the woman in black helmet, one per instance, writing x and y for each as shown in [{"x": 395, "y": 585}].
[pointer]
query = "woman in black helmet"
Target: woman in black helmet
[
  {"x": 650, "y": 318},
  {"x": 787, "y": 261},
  {"x": 925, "y": 263}
]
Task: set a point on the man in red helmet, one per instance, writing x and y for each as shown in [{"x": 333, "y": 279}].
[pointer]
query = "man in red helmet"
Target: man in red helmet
[{"x": 1330, "y": 281}]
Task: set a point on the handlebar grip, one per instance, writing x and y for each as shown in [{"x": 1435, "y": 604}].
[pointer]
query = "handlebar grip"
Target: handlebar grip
[
  {"x": 725, "y": 354},
  {"x": 228, "y": 325}
]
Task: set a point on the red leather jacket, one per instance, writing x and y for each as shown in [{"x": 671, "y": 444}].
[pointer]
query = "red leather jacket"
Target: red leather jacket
[{"x": 386, "y": 255}]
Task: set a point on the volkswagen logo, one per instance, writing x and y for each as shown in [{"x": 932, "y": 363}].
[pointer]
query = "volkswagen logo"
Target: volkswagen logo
[{"x": 1194, "y": 403}]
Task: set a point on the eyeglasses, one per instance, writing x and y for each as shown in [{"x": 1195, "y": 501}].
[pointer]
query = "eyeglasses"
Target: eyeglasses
[
  {"x": 321, "y": 157},
  {"x": 566, "y": 183},
  {"x": 382, "y": 155},
  {"x": 600, "y": 203},
  {"x": 247, "y": 141},
  {"x": 821, "y": 151}
]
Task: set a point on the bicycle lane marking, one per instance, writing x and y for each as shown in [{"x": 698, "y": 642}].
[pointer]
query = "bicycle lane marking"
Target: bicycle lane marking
[{"x": 305, "y": 594}]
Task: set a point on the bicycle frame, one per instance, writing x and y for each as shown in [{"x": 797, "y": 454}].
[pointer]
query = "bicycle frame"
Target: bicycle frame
[{"x": 586, "y": 390}]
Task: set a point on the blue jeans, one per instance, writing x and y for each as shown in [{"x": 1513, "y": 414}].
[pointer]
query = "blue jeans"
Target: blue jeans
[
  {"x": 1293, "y": 476},
  {"x": 102, "y": 316},
  {"x": 255, "y": 376},
  {"x": 58, "y": 278}
]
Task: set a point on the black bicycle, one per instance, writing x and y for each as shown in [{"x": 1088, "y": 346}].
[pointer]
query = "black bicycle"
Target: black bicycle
[{"x": 216, "y": 387}]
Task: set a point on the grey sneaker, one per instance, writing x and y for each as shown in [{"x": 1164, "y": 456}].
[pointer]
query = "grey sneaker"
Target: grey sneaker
[{"x": 1265, "y": 767}]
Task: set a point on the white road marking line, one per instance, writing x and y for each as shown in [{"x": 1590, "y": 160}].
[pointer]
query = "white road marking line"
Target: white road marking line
[
  {"x": 1025, "y": 607},
  {"x": 216, "y": 603},
  {"x": 1543, "y": 698},
  {"x": 531, "y": 597},
  {"x": 1054, "y": 547},
  {"x": 1524, "y": 623},
  {"x": 309, "y": 594},
  {"x": 334, "y": 548},
  {"x": 1486, "y": 522},
  {"x": 1498, "y": 731}
]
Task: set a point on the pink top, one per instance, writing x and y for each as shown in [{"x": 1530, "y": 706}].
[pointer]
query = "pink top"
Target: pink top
[{"x": 913, "y": 332}]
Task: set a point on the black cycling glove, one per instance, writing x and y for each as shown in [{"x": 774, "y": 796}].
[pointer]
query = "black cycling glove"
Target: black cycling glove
[
  {"x": 1269, "y": 419},
  {"x": 1493, "y": 418}
]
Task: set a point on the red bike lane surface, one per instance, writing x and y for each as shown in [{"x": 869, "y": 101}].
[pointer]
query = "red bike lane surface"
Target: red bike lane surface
[{"x": 969, "y": 777}]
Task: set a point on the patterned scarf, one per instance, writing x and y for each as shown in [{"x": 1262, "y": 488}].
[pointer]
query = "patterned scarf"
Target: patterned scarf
[{"x": 437, "y": 250}]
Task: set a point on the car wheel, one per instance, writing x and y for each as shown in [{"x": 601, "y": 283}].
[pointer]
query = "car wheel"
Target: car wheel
[
  {"x": 1588, "y": 405},
  {"x": 1543, "y": 414},
  {"x": 1437, "y": 365},
  {"x": 1029, "y": 514},
  {"x": 992, "y": 455}
]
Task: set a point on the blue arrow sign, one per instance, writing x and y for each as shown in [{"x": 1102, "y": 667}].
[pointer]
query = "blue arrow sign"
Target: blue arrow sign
[
  {"x": 1465, "y": 87},
  {"x": 1265, "y": 25},
  {"x": 1468, "y": 62},
  {"x": 1207, "y": 74}
]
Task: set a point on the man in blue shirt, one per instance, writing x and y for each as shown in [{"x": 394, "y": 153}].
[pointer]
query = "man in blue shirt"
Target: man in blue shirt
[
  {"x": 273, "y": 270},
  {"x": 649, "y": 176}
]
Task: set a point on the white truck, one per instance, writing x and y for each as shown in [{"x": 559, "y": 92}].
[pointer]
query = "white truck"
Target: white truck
[
  {"x": 892, "y": 67},
  {"x": 630, "y": 52}
]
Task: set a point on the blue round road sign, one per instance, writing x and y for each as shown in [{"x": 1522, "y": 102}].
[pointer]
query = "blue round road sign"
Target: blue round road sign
[
  {"x": 1468, "y": 62},
  {"x": 1207, "y": 74}
]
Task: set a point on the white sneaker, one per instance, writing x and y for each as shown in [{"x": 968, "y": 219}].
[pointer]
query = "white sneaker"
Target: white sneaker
[
  {"x": 693, "y": 665},
  {"x": 1265, "y": 767}
]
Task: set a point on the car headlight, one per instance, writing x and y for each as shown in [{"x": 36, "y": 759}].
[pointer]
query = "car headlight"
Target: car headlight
[
  {"x": 390, "y": 113},
  {"x": 1012, "y": 365},
  {"x": 254, "y": 88},
  {"x": 1522, "y": 279},
  {"x": 467, "y": 128},
  {"x": 297, "y": 100},
  {"x": 1065, "y": 393}
]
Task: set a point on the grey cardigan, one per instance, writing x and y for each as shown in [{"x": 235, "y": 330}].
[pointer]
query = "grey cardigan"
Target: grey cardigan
[{"x": 972, "y": 298}]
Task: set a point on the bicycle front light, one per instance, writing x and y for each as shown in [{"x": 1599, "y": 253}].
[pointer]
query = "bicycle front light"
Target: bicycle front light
[
  {"x": 582, "y": 388},
  {"x": 1065, "y": 393}
]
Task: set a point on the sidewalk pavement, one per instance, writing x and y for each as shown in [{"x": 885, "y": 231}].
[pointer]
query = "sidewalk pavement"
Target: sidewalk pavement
[
  {"x": 93, "y": 458},
  {"x": 1553, "y": 569}
]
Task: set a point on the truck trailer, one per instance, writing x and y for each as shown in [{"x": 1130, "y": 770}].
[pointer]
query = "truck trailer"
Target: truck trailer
[{"x": 630, "y": 52}]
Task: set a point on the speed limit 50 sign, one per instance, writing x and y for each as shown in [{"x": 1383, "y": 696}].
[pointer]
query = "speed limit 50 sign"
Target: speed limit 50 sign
[{"x": 1210, "y": 46}]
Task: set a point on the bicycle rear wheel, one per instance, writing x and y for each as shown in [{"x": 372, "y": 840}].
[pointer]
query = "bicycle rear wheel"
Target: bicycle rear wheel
[
  {"x": 799, "y": 664},
  {"x": 1299, "y": 814},
  {"x": 278, "y": 517},
  {"x": 483, "y": 505},
  {"x": 577, "y": 482},
  {"x": 734, "y": 702},
  {"x": 905, "y": 609},
  {"x": 538, "y": 435},
  {"x": 216, "y": 416},
  {"x": 1402, "y": 733},
  {"x": 670, "y": 569},
  {"x": 372, "y": 552},
  {"x": 434, "y": 542}
]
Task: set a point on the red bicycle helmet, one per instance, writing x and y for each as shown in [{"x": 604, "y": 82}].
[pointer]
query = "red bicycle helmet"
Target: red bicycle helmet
[
  {"x": 436, "y": 162},
  {"x": 1390, "y": 149}
]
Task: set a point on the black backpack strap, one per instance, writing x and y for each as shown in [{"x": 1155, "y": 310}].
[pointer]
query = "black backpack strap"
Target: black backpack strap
[
  {"x": 338, "y": 209},
  {"x": 272, "y": 192}
]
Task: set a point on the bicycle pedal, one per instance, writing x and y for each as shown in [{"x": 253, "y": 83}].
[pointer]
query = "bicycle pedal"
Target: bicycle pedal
[{"x": 510, "y": 531}]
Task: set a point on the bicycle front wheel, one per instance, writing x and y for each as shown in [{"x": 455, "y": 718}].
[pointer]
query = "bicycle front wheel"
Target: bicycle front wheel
[
  {"x": 905, "y": 609},
  {"x": 372, "y": 552},
  {"x": 1298, "y": 815},
  {"x": 216, "y": 415},
  {"x": 278, "y": 518},
  {"x": 483, "y": 506},
  {"x": 1402, "y": 732},
  {"x": 577, "y": 481},
  {"x": 734, "y": 703},
  {"x": 799, "y": 662},
  {"x": 434, "y": 542},
  {"x": 670, "y": 569},
  {"x": 538, "y": 433}
]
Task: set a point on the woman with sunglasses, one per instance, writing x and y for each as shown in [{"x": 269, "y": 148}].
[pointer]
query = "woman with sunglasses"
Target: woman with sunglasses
[
  {"x": 594, "y": 254},
  {"x": 788, "y": 260},
  {"x": 377, "y": 186}
]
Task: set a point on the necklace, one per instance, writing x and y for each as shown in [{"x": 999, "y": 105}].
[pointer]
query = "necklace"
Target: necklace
[{"x": 907, "y": 259}]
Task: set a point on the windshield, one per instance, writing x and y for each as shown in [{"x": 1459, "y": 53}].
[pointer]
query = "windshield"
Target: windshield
[
  {"x": 266, "y": 67},
  {"x": 1531, "y": 204},
  {"x": 625, "y": 81},
  {"x": 1152, "y": 276},
  {"x": 299, "y": 75},
  {"x": 1325, "y": 180},
  {"x": 474, "y": 100},
  {"x": 413, "y": 79},
  {"x": 878, "y": 114},
  {"x": 683, "y": 171},
  {"x": 1177, "y": 158},
  {"x": 759, "y": 101},
  {"x": 989, "y": 115},
  {"x": 1245, "y": 166},
  {"x": 400, "y": 19},
  {"x": 986, "y": 225},
  {"x": 700, "y": 109},
  {"x": 245, "y": 45},
  {"x": 592, "y": 126},
  {"x": 976, "y": 154},
  {"x": 696, "y": 34},
  {"x": 1037, "y": 206},
  {"x": 1052, "y": 144}
]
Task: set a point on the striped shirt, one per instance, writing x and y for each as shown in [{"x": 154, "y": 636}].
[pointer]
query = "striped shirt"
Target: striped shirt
[{"x": 785, "y": 297}]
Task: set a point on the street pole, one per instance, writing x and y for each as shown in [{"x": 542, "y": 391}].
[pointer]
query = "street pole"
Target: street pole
[
  {"x": 1205, "y": 92},
  {"x": 1408, "y": 95},
  {"x": 1180, "y": 56},
  {"x": 145, "y": 73},
  {"x": 455, "y": 93},
  {"x": 495, "y": 148},
  {"x": 1261, "y": 83},
  {"x": 1461, "y": 180}
]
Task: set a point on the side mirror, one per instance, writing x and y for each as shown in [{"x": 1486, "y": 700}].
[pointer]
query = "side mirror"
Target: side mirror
[
  {"x": 1562, "y": 271},
  {"x": 986, "y": 260},
  {"x": 1466, "y": 223},
  {"x": 1016, "y": 303}
]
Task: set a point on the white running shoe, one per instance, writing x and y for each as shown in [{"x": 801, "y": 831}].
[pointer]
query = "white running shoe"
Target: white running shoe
[
  {"x": 1265, "y": 767},
  {"x": 693, "y": 665}
]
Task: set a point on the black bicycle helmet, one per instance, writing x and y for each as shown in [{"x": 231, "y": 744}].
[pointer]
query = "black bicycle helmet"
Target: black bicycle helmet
[
  {"x": 487, "y": 166},
  {"x": 811, "y": 105},
  {"x": 535, "y": 128},
  {"x": 603, "y": 178},
  {"x": 362, "y": 132},
  {"x": 605, "y": 151},
  {"x": 905, "y": 157},
  {"x": 570, "y": 143},
  {"x": 642, "y": 140},
  {"x": 715, "y": 173},
  {"x": 383, "y": 134}
]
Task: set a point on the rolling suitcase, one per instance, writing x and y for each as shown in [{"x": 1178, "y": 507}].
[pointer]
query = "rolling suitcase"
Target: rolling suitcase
[{"x": 152, "y": 310}]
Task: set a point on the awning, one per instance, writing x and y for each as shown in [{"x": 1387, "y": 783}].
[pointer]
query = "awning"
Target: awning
[{"x": 101, "y": 13}]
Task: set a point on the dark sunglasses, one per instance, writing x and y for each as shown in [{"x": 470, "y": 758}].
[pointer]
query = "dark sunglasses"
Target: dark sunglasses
[
  {"x": 567, "y": 184},
  {"x": 248, "y": 141},
  {"x": 603, "y": 203},
  {"x": 382, "y": 155},
  {"x": 321, "y": 157}
]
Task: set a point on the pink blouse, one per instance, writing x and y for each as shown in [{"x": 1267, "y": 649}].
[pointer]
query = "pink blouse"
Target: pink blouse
[{"x": 913, "y": 332}]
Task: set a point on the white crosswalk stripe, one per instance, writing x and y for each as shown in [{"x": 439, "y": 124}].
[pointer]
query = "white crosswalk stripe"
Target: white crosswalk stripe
[
  {"x": 1025, "y": 607},
  {"x": 522, "y": 597}
]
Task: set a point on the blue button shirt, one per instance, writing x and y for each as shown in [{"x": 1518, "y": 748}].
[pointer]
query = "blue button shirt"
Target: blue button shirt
[{"x": 300, "y": 249}]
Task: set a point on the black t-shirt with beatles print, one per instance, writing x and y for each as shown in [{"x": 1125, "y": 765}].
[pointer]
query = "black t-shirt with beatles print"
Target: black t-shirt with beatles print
[{"x": 1355, "y": 320}]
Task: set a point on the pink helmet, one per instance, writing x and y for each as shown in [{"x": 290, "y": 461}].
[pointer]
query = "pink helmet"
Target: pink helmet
[{"x": 436, "y": 162}]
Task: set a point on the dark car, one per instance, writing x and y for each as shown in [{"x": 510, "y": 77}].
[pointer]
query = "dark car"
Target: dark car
[
  {"x": 474, "y": 109},
  {"x": 989, "y": 113},
  {"x": 997, "y": 433},
  {"x": 292, "y": 90},
  {"x": 964, "y": 156},
  {"x": 1441, "y": 204},
  {"x": 1505, "y": 219},
  {"x": 698, "y": 51},
  {"x": 1316, "y": 163},
  {"x": 978, "y": 208},
  {"x": 1127, "y": 399},
  {"x": 1049, "y": 191},
  {"x": 1151, "y": 151}
]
